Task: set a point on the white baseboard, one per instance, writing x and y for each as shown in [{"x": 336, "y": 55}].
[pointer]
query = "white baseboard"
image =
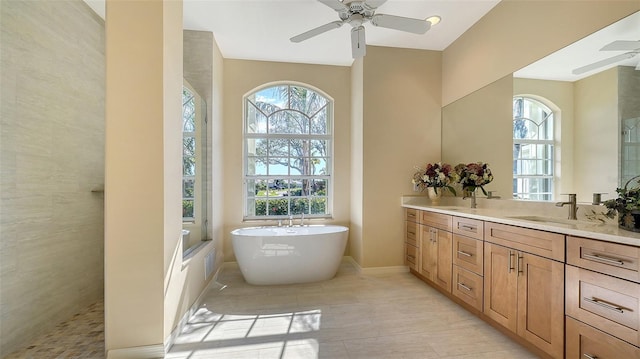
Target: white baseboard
[
  {"x": 376, "y": 270},
  {"x": 168, "y": 343},
  {"x": 144, "y": 352}
]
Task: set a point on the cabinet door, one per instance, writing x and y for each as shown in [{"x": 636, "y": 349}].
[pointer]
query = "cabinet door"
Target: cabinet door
[
  {"x": 428, "y": 252},
  {"x": 436, "y": 256},
  {"x": 500, "y": 285},
  {"x": 541, "y": 302},
  {"x": 444, "y": 260}
]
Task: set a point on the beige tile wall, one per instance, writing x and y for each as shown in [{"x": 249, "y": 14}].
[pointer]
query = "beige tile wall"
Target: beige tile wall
[{"x": 52, "y": 145}]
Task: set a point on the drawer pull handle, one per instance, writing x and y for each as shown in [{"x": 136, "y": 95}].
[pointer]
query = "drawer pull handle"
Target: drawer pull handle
[
  {"x": 510, "y": 261},
  {"x": 465, "y": 254},
  {"x": 410, "y": 256},
  {"x": 589, "y": 356},
  {"x": 520, "y": 264},
  {"x": 464, "y": 287},
  {"x": 604, "y": 259},
  {"x": 414, "y": 233},
  {"x": 603, "y": 304},
  {"x": 468, "y": 227}
]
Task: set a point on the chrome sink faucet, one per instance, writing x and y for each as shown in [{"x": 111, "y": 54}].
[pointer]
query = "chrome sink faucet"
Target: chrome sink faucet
[{"x": 573, "y": 207}]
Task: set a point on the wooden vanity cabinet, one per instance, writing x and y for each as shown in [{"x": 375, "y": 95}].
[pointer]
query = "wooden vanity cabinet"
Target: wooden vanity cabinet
[
  {"x": 436, "y": 245},
  {"x": 468, "y": 254},
  {"x": 602, "y": 298},
  {"x": 412, "y": 239},
  {"x": 523, "y": 291}
]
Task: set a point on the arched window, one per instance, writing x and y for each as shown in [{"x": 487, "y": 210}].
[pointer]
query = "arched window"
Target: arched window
[
  {"x": 287, "y": 152},
  {"x": 533, "y": 149}
]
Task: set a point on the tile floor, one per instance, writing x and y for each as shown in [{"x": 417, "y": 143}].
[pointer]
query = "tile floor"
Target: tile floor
[
  {"x": 80, "y": 337},
  {"x": 351, "y": 316}
]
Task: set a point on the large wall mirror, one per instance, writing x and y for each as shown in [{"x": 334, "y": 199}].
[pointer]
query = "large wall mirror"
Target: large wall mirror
[{"x": 569, "y": 123}]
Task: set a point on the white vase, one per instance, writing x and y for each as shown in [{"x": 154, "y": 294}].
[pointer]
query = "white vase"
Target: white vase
[{"x": 433, "y": 196}]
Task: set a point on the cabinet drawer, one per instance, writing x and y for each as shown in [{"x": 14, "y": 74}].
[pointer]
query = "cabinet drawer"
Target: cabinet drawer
[
  {"x": 619, "y": 260},
  {"x": 468, "y": 253},
  {"x": 609, "y": 304},
  {"x": 411, "y": 256},
  {"x": 411, "y": 215},
  {"x": 545, "y": 244},
  {"x": 584, "y": 341},
  {"x": 468, "y": 287},
  {"x": 412, "y": 232},
  {"x": 469, "y": 227},
  {"x": 437, "y": 220}
]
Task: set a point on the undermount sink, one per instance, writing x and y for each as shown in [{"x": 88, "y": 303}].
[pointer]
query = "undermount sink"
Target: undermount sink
[{"x": 542, "y": 219}]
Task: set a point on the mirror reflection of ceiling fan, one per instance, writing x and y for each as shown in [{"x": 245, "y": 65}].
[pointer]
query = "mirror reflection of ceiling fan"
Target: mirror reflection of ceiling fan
[
  {"x": 631, "y": 48},
  {"x": 358, "y": 12}
]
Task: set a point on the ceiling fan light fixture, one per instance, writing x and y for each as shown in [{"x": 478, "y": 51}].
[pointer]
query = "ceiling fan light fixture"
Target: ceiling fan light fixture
[{"x": 434, "y": 20}]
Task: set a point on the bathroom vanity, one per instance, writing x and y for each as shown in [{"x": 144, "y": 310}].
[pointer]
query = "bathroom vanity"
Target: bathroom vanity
[{"x": 565, "y": 289}]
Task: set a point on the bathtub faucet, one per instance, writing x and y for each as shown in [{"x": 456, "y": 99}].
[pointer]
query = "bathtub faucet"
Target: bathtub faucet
[
  {"x": 302, "y": 220},
  {"x": 291, "y": 220}
]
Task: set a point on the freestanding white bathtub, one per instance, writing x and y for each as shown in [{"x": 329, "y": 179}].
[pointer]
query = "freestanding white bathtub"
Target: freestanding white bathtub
[{"x": 288, "y": 255}]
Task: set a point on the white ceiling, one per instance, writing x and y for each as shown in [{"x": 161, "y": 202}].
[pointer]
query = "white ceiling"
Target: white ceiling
[
  {"x": 558, "y": 66},
  {"x": 260, "y": 30}
]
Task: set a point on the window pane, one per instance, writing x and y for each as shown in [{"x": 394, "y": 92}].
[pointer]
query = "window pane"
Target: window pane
[
  {"x": 257, "y": 146},
  {"x": 271, "y": 99},
  {"x": 188, "y": 187},
  {"x": 318, "y": 187},
  {"x": 256, "y": 120},
  {"x": 188, "y": 146},
  {"x": 319, "y": 166},
  {"x": 299, "y": 148},
  {"x": 188, "y": 166},
  {"x": 278, "y": 166},
  {"x": 319, "y": 148},
  {"x": 306, "y": 100},
  {"x": 256, "y": 188},
  {"x": 278, "y": 206},
  {"x": 278, "y": 147},
  {"x": 319, "y": 123},
  {"x": 257, "y": 207},
  {"x": 318, "y": 205},
  {"x": 256, "y": 166},
  {"x": 288, "y": 122},
  {"x": 187, "y": 208},
  {"x": 299, "y": 206},
  {"x": 278, "y": 185}
]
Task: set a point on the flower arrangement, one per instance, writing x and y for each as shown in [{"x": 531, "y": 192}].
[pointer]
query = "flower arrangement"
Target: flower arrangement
[
  {"x": 474, "y": 175},
  {"x": 627, "y": 206},
  {"x": 436, "y": 175}
]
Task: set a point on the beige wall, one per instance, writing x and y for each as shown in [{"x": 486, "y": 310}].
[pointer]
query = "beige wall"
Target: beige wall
[
  {"x": 52, "y": 156},
  {"x": 596, "y": 134},
  {"x": 401, "y": 129},
  {"x": 516, "y": 33},
  {"x": 357, "y": 148},
  {"x": 558, "y": 95},
  {"x": 142, "y": 220},
  {"x": 242, "y": 76},
  {"x": 478, "y": 127}
]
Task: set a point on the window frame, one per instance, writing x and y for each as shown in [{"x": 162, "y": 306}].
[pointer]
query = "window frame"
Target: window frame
[
  {"x": 329, "y": 156},
  {"x": 552, "y": 143}
]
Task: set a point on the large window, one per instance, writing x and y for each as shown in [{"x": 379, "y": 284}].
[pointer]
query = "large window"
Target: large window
[
  {"x": 188, "y": 155},
  {"x": 533, "y": 149},
  {"x": 287, "y": 152}
]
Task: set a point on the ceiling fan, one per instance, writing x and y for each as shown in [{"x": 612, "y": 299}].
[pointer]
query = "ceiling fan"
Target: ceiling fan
[
  {"x": 356, "y": 13},
  {"x": 632, "y": 49}
]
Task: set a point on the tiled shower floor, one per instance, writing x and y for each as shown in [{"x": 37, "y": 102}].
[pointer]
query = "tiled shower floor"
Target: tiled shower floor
[{"x": 350, "y": 316}]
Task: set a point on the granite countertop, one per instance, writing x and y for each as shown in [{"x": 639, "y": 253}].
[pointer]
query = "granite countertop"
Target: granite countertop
[{"x": 540, "y": 216}]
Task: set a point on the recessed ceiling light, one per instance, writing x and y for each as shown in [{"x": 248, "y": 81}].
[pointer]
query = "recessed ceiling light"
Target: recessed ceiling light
[{"x": 434, "y": 20}]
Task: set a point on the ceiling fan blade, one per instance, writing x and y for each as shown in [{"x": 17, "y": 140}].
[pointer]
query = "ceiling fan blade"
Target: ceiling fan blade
[
  {"x": 605, "y": 62},
  {"x": 374, "y": 4},
  {"x": 407, "y": 24},
  {"x": 335, "y": 5},
  {"x": 621, "y": 45},
  {"x": 317, "y": 31},
  {"x": 358, "y": 44}
]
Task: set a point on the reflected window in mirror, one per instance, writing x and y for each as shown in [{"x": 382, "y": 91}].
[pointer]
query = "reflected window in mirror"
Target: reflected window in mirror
[{"x": 533, "y": 149}]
